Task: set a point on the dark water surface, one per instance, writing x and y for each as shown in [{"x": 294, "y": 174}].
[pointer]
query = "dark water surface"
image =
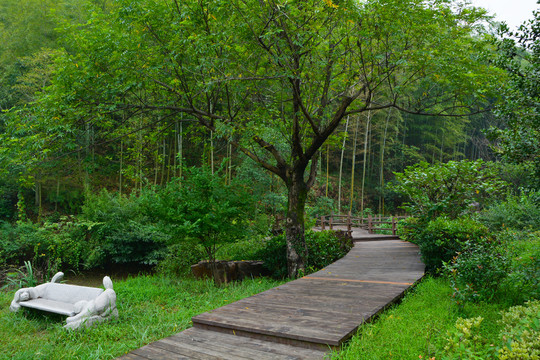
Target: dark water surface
[{"x": 94, "y": 277}]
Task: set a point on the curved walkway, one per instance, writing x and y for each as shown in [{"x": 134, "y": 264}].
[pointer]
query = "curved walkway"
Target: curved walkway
[{"x": 302, "y": 319}]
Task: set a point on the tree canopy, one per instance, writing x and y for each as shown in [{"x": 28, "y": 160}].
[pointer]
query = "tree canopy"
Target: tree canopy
[{"x": 274, "y": 78}]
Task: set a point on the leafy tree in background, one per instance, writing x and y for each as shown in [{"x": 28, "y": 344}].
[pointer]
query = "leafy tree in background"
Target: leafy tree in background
[
  {"x": 519, "y": 55},
  {"x": 275, "y": 78},
  {"x": 447, "y": 189},
  {"x": 201, "y": 208}
]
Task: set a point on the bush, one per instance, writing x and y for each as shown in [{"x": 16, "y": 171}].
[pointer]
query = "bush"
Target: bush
[
  {"x": 119, "y": 231},
  {"x": 523, "y": 281},
  {"x": 202, "y": 209},
  {"x": 443, "y": 238},
  {"x": 179, "y": 258},
  {"x": 517, "y": 212},
  {"x": 51, "y": 247},
  {"x": 518, "y": 339},
  {"x": 465, "y": 342},
  {"x": 324, "y": 248},
  {"x": 409, "y": 229},
  {"x": 477, "y": 272}
]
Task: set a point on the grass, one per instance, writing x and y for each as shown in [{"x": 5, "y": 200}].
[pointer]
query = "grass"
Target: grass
[
  {"x": 151, "y": 307},
  {"x": 418, "y": 327},
  {"x": 408, "y": 330}
]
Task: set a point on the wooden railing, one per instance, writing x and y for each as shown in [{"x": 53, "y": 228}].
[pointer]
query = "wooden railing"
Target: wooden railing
[{"x": 371, "y": 223}]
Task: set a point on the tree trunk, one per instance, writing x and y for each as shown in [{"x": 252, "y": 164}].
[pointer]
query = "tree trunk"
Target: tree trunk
[
  {"x": 364, "y": 163},
  {"x": 341, "y": 165},
  {"x": 294, "y": 226},
  {"x": 353, "y": 163}
]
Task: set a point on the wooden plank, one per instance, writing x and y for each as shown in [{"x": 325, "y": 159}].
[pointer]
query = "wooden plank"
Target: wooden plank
[
  {"x": 132, "y": 356},
  {"x": 155, "y": 353},
  {"x": 236, "y": 341},
  {"x": 185, "y": 348},
  {"x": 238, "y": 347}
]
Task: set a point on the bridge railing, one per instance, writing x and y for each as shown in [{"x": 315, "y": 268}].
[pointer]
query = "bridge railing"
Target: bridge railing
[{"x": 370, "y": 223}]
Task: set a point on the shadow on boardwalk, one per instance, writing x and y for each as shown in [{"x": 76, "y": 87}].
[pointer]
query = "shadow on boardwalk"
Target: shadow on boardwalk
[{"x": 305, "y": 318}]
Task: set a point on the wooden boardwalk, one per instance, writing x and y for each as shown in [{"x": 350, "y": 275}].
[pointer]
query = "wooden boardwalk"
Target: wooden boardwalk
[{"x": 302, "y": 319}]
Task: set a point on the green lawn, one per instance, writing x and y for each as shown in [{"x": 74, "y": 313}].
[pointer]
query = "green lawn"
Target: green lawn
[
  {"x": 419, "y": 327},
  {"x": 150, "y": 307}
]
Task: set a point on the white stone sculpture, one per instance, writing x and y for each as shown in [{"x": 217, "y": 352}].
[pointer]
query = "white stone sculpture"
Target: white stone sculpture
[{"x": 83, "y": 305}]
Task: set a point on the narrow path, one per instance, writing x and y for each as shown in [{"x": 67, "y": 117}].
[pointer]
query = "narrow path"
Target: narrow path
[{"x": 302, "y": 319}]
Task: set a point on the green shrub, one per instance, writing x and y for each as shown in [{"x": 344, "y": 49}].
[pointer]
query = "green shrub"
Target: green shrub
[
  {"x": 179, "y": 258},
  {"x": 520, "y": 334},
  {"x": 518, "y": 339},
  {"x": 274, "y": 256},
  {"x": 51, "y": 247},
  {"x": 120, "y": 231},
  {"x": 477, "y": 272},
  {"x": 410, "y": 229},
  {"x": 201, "y": 209},
  {"x": 245, "y": 249},
  {"x": 443, "y": 238},
  {"x": 523, "y": 281},
  {"x": 517, "y": 212},
  {"x": 324, "y": 248}
]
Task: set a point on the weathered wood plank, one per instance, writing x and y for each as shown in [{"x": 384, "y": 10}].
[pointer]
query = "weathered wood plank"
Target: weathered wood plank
[
  {"x": 152, "y": 352},
  {"x": 238, "y": 347},
  {"x": 132, "y": 356},
  {"x": 254, "y": 344}
]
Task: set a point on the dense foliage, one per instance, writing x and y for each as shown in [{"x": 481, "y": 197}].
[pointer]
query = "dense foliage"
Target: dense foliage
[
  {"x": 441, "y": 239},
  {"x": 324, "y": 248},
  {"x": 519, "y": 55},
  {"x": 521, "y": 211},
  {"x": 136, "y": 84},
  {"x": 447, "y": 189}
]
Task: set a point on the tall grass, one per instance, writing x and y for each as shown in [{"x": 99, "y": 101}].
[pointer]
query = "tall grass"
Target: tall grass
[{"x": 150, "y": 307}]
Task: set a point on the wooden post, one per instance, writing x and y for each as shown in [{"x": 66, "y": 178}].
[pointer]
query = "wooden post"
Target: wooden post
[
  {"x": 394, "y": 225},
  {"x": 331, "y": 219},
  {"x": 322, "y": 222},
  {"x": 370, "y": 225}
]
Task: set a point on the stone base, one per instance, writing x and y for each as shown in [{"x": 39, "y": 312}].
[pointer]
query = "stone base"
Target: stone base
[{"x": 227, "y": 271}]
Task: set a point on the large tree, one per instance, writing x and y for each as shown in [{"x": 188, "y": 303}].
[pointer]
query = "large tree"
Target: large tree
[{"x": 275, "y": 77}]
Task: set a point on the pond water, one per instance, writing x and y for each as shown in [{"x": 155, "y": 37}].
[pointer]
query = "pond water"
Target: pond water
[{"x": 94, "y": 277}]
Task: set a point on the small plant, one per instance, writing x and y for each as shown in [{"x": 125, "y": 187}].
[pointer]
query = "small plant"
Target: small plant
[
  {"x": 21, "y": 278},
  {"x": 520, "y": 335},
  {"x": 465, "y": 342}
]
